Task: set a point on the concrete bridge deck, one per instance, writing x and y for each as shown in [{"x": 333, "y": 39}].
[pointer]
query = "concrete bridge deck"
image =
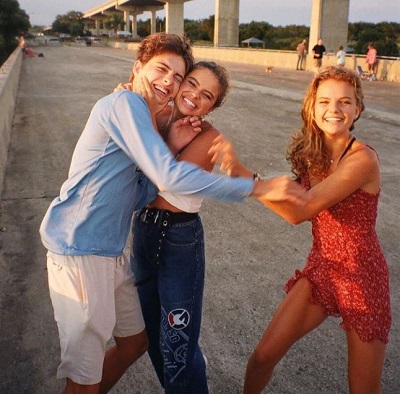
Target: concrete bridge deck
[{"x": 250, "y": 251}]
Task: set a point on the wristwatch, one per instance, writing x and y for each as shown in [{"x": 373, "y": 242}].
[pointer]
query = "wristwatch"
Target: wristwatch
[{"x": 257, "y": 176}]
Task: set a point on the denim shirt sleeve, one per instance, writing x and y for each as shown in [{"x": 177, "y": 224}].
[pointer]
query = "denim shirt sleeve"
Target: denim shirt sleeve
[{"x": 129, "y": 124}]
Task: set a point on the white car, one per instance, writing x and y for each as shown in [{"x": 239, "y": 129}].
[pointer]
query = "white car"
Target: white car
[{"x": 123, "y": 33}]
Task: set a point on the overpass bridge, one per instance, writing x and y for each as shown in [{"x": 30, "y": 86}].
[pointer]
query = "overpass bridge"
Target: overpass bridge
[
  {"x": 132, "y": 8},
  {"x": 328, "y": 20},
  {"x": 250, "y": 252}
]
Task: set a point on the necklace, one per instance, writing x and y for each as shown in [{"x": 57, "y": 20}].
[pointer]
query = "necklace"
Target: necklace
[
  {"x": 346, "y": 149},
  {"x": 167, "y": 124}
]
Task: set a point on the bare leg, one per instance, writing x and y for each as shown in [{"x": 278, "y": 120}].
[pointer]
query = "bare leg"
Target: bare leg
[
  {"x": 365, "y": 364},
  {"x": 120, "y": 357},
  {"x": 294, "y": 318},
  {"x": 75, "y": 388},
  {"x": 116, "y": 361}
]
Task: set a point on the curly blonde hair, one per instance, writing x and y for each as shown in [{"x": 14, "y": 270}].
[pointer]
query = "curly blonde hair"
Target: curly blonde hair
[{"x": 306, "y": 152}]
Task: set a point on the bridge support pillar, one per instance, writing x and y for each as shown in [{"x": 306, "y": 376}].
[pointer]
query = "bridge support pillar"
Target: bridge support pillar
[
  {"x": 127, "y": 20},
  {"x": 97, "y": 25},
  {"x": 226, "y": 25},
  {"x": 131, "y": 11},
  {"x": 174, "y": 16},
  {"x": 329, "y": 21},
  {"x": 153, "y": 18}
]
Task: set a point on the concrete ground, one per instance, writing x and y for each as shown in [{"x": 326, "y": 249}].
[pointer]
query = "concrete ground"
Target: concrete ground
[{"x": 250, "y": 251}]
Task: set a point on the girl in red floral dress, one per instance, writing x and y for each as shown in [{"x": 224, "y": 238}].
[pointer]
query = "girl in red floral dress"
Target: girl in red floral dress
[{"x": 346, "y": 273}]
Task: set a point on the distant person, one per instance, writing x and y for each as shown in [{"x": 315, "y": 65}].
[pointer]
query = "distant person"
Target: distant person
[
  {"x": 371, "y": 60},
  {"x": 318, "y": 53},
  {"x": 22, "y": 43},
  {"x": 301, "y": 55},
  {"x": 25, "y": 48},
  {"x": 341, "y": 56},
  {"x": 346, "y": 273},
  {"x": 30, "y": 52}
]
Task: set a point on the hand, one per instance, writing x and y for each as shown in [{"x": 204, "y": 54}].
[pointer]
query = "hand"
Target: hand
[
  {"x": 182, "y": 132},
  {"x": 123, "y": 86},
  {"x": 281, "y": 188},
  {"x": 223, "y": 153},
  {"x": 142, "y": 86}
]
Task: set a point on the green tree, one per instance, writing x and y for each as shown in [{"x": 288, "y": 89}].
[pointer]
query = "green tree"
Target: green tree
[
  {"x": 196, "y": 30},
  {"x": 258, "y": 30},
  {"x": 76, "y": 28},
  {"x": 200, "y": 30},
  {"x": 286, "y": 37},
  {"x": 208, "y": 26},
  {"x": 384, "y": 35},
  {"x": 161, "y": 24},
  {"x": 13, "y": 23},
  {"x": 69, "y": 23},
  {"x": 389, "y": 44},
  {"x": 143, "y": 28},
  {"x": 114, "y": 22},
  {"x": 387, "y": 47}
]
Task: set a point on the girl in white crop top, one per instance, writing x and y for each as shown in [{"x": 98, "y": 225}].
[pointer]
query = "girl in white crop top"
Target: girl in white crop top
[{"x": 203, "y": 90}]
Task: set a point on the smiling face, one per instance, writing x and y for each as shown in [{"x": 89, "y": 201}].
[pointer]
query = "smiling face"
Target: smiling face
[
  {"x": 198, "y": 93},
  {"x": 165, "y": 74},
  {"x": 335, "y": 107}
]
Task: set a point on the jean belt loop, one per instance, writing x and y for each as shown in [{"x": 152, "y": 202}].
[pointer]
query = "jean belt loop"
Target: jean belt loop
[{"x": 120, "y": 262}]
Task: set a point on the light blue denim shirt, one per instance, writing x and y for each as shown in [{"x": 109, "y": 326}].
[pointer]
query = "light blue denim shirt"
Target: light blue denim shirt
[{"x": 119, "y": 164}]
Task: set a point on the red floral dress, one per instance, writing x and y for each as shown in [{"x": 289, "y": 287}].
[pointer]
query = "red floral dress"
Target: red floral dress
[{"x": 347, "y": 269}]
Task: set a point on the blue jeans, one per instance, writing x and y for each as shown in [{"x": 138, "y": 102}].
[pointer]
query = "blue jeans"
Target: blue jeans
[{"x": 169, "y": 264}]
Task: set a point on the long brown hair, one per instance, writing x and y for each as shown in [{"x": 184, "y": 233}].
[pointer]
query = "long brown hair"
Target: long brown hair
[{"x": 306, "y": 152}]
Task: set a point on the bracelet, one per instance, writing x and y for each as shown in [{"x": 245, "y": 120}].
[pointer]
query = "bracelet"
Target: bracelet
[{"x": 256, "y": 176}]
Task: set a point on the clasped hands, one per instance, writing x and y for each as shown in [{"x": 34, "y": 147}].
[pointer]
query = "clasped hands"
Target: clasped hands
[{"x": 277, "y": 189}]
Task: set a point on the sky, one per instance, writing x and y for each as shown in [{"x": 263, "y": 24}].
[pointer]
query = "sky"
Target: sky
[{"x": 275, "y": 12}]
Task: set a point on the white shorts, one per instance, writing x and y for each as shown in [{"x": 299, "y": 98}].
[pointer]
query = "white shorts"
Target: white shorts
[{"x": 94, "y": 298}]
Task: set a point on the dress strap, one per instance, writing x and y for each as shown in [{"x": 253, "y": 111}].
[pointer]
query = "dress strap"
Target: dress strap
[{"x": 347, "y": 148}]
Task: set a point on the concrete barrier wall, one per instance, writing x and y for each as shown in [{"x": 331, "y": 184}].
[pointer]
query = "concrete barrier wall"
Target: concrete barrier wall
[
  {"x": 9, "y": 79},
  {"x": 388, "y": 69}
]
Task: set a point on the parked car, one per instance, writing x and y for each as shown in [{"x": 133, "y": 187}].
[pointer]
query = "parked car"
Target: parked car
[
  {"x": 53, "y": 40},
  {"x": 83, "y": 41},
  {"x": 95, "y": 40},
  {"x": 124, "y": 34}
]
